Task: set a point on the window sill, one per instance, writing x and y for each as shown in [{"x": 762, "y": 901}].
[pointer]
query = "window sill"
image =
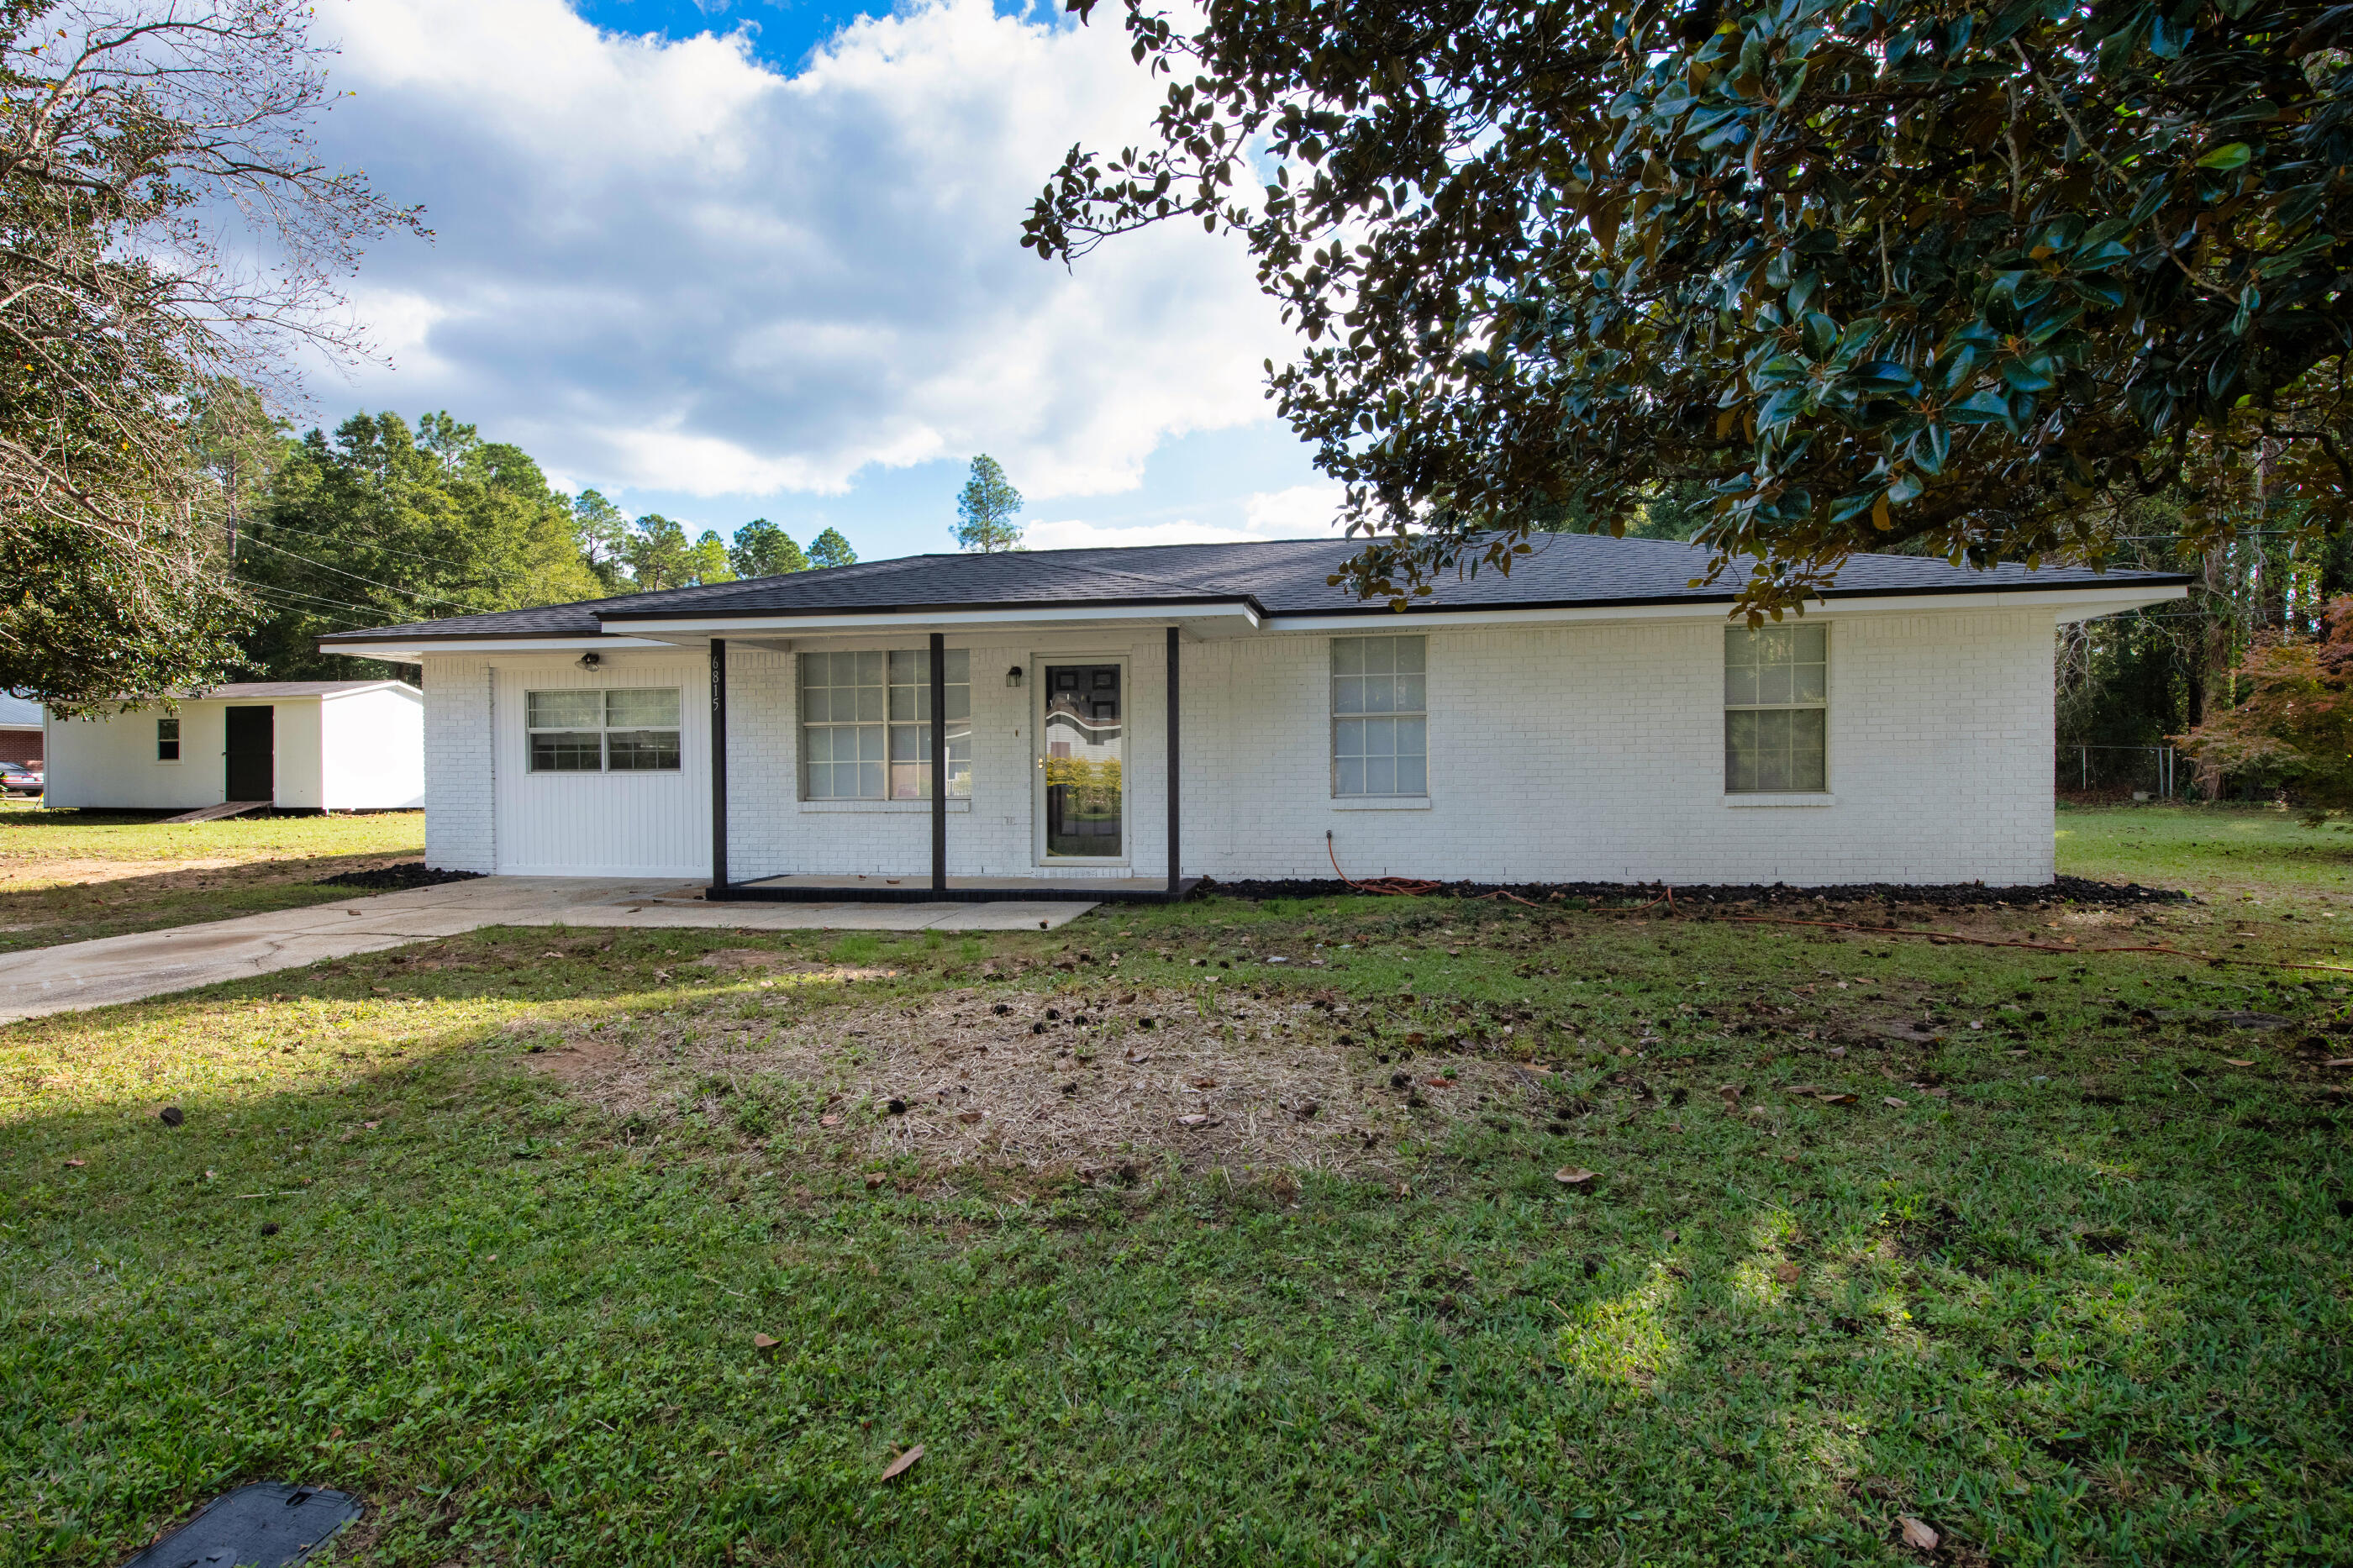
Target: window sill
[
  {"x": 1381, "y": 802},
  {"x": 1793, "y": 798},
  {"x": 887, "y": 807}
]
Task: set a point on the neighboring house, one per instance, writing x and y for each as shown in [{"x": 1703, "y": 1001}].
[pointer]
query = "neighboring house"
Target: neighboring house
[
  {"x": 20, "y": 731},
  {"x": 1119, "y": 721},
  {"x": 303, "y": 745}
]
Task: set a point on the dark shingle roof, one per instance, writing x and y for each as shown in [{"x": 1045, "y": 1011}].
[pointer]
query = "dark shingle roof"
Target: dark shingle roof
[{"x": 1283, "y": 577}]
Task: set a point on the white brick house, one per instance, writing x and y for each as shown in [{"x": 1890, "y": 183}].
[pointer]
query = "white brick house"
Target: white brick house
[{"x": 1590, "y": 718}]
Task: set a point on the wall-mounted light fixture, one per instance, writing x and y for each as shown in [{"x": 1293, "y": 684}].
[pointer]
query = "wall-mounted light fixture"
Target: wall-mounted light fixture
[
  {"x": 591, "y": 660},
  {"x": 1013, "y": 677}
]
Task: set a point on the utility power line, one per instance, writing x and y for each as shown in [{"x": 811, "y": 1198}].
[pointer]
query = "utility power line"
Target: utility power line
[
  {"x": 387, "y": 587},
  {"x": 381, "y": 549}
]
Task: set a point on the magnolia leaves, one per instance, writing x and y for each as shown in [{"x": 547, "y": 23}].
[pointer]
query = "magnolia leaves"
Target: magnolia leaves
[{"x": 1861, "y": 275}]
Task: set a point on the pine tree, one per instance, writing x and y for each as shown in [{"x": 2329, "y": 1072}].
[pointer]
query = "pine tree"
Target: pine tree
[
  {"x": 986, "y": 508},
  {"x": 763, "y": 550},
  {"x": 830, "y": 549}
]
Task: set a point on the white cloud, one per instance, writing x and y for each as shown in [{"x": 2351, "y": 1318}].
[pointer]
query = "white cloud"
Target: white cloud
[
  {"x": 670, "y": 266},
  {"x": 1302, "y": 512},
  {"x": 1075, "y": 534}
]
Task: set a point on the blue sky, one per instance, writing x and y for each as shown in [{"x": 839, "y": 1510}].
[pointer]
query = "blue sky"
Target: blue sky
[
  {"x": 761, "y": 261},
  {"x": 784, "y": 34}
]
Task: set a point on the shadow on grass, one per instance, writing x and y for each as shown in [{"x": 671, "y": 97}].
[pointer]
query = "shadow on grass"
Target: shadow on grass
[
  {"x": 525, "y": 1332},
  {"x": 46, "y": 917}
]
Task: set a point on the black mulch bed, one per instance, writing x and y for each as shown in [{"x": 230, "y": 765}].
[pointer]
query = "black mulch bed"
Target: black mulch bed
[
  {"x": 1693, "y": 899},
  {"x": 387, "y": 879}
]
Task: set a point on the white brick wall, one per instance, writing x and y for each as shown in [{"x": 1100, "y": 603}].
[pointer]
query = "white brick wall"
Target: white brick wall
[
  {"x": 1595, "y": 751},
  {"x": 459, "y": 763},
  {"x": 1587, "y": 752}
]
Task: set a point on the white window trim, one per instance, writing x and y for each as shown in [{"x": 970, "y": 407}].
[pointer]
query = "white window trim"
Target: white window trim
[
  {"x": 180, "y": 740},
  {"x": 885, "y": 803},
  {"x": 1824, "y": 796},
  {"x": 604, "y": 748},
  {"x": 1415, "y": 800}
]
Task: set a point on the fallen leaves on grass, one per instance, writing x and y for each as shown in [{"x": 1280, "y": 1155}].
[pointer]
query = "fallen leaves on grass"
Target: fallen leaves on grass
[
  {"x": 1787, "y": 1273},
  {"x": 1573, "y": 1175},
  {"x": 1917, "y": 1535},
  {"x": 2237, "y": 1062},
  {"x": 765, "y": 1342},
  {"x": 903, "y": 1463},
  {"x": 1076, "y": 1093}
]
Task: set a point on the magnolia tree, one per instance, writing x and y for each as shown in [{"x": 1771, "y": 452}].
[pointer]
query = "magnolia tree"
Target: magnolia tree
[
  {"x": 1940, "y": 274},
  {"x": 167, "y": 230}
]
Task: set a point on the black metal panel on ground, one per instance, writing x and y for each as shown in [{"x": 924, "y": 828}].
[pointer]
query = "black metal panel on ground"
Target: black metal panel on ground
[{"x": 266, "y": 1525}]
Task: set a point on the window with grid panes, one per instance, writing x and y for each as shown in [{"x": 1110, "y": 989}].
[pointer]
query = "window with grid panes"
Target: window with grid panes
[
  {"x": 866, "y": 725},
  {"x": 616, "y": 730},
  {"x": 1379, "y": 723},
  {"x": 167, "y": 739},
  {"x": 1776, "y": 709}
]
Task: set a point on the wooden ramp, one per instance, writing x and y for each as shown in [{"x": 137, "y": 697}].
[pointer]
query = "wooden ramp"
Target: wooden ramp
[{"x": 215, "y": 813}]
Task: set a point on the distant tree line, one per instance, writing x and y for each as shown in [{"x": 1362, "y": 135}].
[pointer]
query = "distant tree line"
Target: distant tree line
[{"x": 383, "y": 523}]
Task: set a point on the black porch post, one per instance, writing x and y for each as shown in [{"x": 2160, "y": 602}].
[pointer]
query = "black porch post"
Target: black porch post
[
  {"x": 939, "y": 762},
  {"x": 719, "y": 765},
  {"x": 1172, "y": 762}
]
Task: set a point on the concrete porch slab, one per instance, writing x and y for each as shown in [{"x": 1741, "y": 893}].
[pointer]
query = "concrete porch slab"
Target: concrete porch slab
[{"x": 131, "y": 968}]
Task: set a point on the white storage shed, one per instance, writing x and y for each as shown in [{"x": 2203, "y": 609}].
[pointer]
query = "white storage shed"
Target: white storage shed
[{"x": 300, "y": 745}]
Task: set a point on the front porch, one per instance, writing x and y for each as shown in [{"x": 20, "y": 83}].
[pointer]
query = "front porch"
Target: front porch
[
  {"x": 810, "y": 888},
  {"x": 1079, "y": 881}
]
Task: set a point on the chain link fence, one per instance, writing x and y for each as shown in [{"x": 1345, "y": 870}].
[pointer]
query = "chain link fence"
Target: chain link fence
[{"x": 2116, "y": 773}]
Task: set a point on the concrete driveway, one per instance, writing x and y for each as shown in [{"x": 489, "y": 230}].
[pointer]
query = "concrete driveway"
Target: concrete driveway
[{"x": 149, "y": 963}]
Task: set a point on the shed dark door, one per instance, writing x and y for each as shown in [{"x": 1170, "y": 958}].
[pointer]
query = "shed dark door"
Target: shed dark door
[{"x": 252, "y": 747}]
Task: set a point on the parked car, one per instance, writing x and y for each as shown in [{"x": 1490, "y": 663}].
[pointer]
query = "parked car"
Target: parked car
[{"x": 17, "y": 779}]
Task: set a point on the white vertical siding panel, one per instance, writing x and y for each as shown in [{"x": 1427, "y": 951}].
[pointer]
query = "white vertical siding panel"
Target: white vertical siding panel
[
  {"x": 372, "y": 749},
  {"x": 604, "y": 823}
]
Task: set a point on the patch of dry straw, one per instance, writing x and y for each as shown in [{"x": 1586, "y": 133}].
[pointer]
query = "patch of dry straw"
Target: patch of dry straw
[{"x": 984, "y": 1078}]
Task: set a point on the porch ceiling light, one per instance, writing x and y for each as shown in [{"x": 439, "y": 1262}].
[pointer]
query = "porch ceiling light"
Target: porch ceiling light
[{"x": 1013, "y": 675}]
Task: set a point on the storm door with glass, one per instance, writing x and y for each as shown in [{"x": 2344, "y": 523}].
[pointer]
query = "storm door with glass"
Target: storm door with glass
[{"x": 1081, "y": 760}]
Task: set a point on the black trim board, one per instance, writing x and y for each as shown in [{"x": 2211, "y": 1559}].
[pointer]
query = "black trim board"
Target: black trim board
[{"x": 866, "y": 893}]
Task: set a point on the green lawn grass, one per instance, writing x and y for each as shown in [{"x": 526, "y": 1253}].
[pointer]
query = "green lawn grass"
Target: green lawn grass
[
  {"x": 2223, "y": 850},
  {"x": 2081, "y": 1297},
  {"x": 66, "y": 876}
]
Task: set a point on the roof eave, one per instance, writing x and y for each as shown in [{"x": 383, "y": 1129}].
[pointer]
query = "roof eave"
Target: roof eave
[{"x": 1200, "y": 607}]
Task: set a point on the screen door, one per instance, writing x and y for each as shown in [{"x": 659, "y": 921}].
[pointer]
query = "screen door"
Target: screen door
[
  {"x": 1081, "y": 760},
  {"x": 251, "y": 756}
]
